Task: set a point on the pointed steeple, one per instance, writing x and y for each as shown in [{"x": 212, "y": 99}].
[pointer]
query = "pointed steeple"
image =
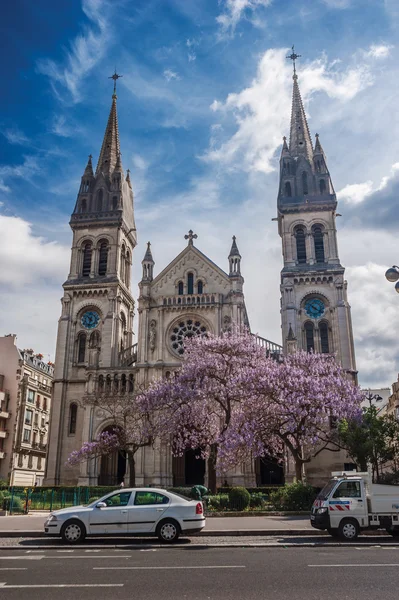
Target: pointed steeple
[
  {"x": 148, "y": 264},
  {"x": 110, "y": 149},
  {"x": 291, "y": 337},
  {"x": 89, "y": 168},
  {"x": 318, "y": 148},
  {"x": 128, "y": 178},
  {"x": 235, "y": 260},
  {"x": 285, "y": 150},
  {"x": 300, "y": 140}
]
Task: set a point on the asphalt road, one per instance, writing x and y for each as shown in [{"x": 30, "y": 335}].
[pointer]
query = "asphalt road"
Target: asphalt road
[{"x": 356, "y": 573}]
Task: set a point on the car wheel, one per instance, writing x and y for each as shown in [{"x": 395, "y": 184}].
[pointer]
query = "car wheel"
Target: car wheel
[
  {"x": 73, "y": 532},
  {"x": 393, "y": 532},
  {"x": 332, "y": 532},
  {"x": 168, "y": 531},
  {"x": 348, "y": 529}
]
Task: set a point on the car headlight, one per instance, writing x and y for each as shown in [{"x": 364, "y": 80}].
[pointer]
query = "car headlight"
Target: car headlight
[
  {"x": 320, "y": 511},
  {"x": 51, "y": 519}
]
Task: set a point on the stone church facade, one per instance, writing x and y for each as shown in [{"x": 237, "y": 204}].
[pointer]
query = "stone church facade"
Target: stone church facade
[{"x": 191, "y": 296}]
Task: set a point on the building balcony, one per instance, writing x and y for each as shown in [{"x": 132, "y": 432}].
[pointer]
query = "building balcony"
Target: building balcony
[
  {"x": 109, "y": 381},
  {"x": 3, "y": 434},
  {"x": 271, "y": 349},
  {"x": 2, "y": 454},
  {"x": 194, "y": 300},
  {"x": 4, "y": 414}
]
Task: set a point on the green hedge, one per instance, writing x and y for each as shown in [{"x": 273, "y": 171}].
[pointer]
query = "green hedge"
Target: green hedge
[{"x": 293, "y": 496}]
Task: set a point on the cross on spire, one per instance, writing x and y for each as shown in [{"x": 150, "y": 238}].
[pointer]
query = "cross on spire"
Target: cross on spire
[
  {"x": 190, "y": 237},
  {"x": 115, "y": 76},
  {"x": 293, "y": 56}
]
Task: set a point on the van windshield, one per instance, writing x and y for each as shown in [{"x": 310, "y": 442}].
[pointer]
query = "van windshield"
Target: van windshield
[{"x": 327, "y": 489}]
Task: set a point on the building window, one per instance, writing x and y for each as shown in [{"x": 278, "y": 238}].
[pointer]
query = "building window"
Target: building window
[
  {"x": 309, "y": 336},
  {"x": 180, "y": 288},
  {"x": 38, "y": 405},
  {"x": 81, "y": 348},
  {"x": 127, "y": 269},
  {"x": 322, "y": 186},
  {"x": 123, "y": 264},
  {"x": 301, "y": 245},
  {"x": 39, "y": 463},
  {"x": 20, "y": 460},
  {"x": 190, "y": 283},
  {"x": 73, "y": 414},
  {"x": 31, "y": 396},
  {"x": 30, "y": 461},
  {"x": 183, "y": 330},
  {"x": 200, "y": 287},
  {"x": 318, "y": 244},
  {"x": 27, "y": 433},
  {"x": 83, "y": 205},
  {"x": 305, "y": 187},
  {"x": 44, "y": 403},
  {"x": 103, "y": 259},
  {"x": 323, "y": 329},
  {"x": 287, "y": 189},
  {"x": 114, "y": 203},
  {"x": 99, "y": 204},
  {"x": 28, "y": 416},
  {"x": 86, "y": 267}
]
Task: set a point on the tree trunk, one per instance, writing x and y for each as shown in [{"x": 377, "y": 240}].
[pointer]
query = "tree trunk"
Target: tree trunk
[
  {"x": 132, "y": 469},
  {"x": 212, "y": 468},
  {"x": 298, "y": 468}
]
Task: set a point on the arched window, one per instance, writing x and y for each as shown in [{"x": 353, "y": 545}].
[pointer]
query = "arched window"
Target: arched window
[
  {"x": 322, "y": 186},
  {"x": 318, "y": 244},
  {"x": 323, "y": 329},
  {"x": 287, "y": 167},
  {"x": 190, "y": 283},
  {"x": 180, "y": 288},
  {"x": 122, "y": 264},
  {"x": 114, "y": 203},
  {"x": 99, "y": 203},
  {"x": 94, "y": 341},
  {"x": 287, "y": 189},
  {"x": 127, "y": 269},
  {"x": 73, "y": 413},
  {"x": 305, "y": 188},
  {"x": 200, "y": 287},
  {"x": 123, "y": 331},
  {"x": 300, "y": 245},
  {"x": 86, "y": 265},
  {"x": 81, "y": 347},
  {"x": 131, "y": 383},
  {"x": 83, "y": 205},
  {"x": 103, "y": 259},
  {"x": 309, "y": 336}
]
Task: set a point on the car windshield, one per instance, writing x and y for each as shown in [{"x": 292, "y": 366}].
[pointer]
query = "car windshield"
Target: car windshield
[{"x": 327, "y": 489}]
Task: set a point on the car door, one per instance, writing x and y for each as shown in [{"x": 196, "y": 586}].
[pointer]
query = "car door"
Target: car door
[
  {"x": 146, "y": 510},
  {"x": 113, "y": 517},
  {"x": 348, "y": 500}
]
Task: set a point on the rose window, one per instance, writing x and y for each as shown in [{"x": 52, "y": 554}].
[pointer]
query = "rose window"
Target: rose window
[{"x": 185, "y": 329}]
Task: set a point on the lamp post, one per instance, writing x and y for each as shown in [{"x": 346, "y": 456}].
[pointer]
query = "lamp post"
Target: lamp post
[
  {"x": 392, "y": 275},
  {"x": 370, "y": 397}
]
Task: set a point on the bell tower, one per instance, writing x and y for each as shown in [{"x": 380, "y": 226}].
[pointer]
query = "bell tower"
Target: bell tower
[
  {"x": 315, "y": 313},
  {"x": 96, "y": 323}
]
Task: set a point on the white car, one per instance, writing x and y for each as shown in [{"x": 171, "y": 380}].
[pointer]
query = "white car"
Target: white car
[{"x": 145, "y": 511}]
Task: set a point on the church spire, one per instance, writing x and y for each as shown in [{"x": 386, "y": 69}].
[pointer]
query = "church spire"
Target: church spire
[
  {"x": 110, "y": 149},
  {"x": 300, "y": 140},
  {"x": 234, "y": 260},
  {"x": 89, "y": 168},
  {"x": 148, "y": 264}
]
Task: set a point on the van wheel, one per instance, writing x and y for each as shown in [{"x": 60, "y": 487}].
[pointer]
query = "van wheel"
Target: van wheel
[
  {"x": 73, "y": 532},
  {"x": 168, "y": 531},
  {"x": 348, "y": 529},
  {"x": 393, "y": 532}
]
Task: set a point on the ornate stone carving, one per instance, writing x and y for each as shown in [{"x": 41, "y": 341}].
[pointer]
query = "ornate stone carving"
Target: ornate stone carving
[{"x": 152, "y": 334}]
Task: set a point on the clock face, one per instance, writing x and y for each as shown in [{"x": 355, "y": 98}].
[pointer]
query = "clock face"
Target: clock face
[
  {"x": 90, "y": 319},
  {"x": 314, "y": 308}
]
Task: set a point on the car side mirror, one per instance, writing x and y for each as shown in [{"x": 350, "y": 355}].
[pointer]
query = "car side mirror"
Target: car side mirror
[{"x": 101, "y": 505}]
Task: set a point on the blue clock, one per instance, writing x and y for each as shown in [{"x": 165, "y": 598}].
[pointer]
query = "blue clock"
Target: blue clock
[
  {"x": 314, "y": 308},
  {"x": 90, "y": 319}
]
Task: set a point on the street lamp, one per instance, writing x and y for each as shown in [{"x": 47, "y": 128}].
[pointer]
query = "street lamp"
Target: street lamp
[
  {"x": 393, "y": 275},
  {"x": 370, "y": 397}
]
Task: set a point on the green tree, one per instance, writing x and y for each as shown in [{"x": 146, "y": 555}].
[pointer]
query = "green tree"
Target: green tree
[{"x": 371, "y": 440}]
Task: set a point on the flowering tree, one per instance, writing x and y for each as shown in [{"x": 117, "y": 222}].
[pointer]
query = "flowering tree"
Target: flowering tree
[
  {"x": 199, "y": 407},
  {"x": 130, "y": 430},
  {"x": 296, "y": 403}
]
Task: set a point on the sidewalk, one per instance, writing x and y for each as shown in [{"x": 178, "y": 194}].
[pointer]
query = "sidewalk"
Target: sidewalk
[{"x": 28, "y": 525}]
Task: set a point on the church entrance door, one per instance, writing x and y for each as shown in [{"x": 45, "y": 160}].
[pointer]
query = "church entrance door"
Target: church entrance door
[
  {"x": 268, "y": 471},
  {"x": 188, "y": 469},
  {"x": 112, "y": 467}
]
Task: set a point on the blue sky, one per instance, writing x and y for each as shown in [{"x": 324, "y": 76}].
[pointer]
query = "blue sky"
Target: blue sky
[{"x": 202, "y": 105}]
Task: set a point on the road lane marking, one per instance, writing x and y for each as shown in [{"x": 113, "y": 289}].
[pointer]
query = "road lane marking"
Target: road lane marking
[
  {"x": 23, "y": 557},
  {"x": 358, "y": 565},
  {"x": 5, "y": 586},
  {"x": 13, "y": 569},
  {"x": 168, "y": 568}
]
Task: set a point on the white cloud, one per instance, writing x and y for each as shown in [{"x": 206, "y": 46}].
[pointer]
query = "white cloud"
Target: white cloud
[
  {"x": 16, "y": 136},
  {"x": 4, "y": 188},
  {"x": 235, "y": 10},
  {"x": 379, "y": 51},
  {"x": 191, "y": 56},
  {"x": 26, "y": 170},
  {"x": 340, "y": 4},
  {"x": 60, "y": 127},
  {"x": 86, "y": 50},
  {"x": 261, "y": 111},
  {"x": 356, "y": 192},
  {"x": 170, "y": 75}
]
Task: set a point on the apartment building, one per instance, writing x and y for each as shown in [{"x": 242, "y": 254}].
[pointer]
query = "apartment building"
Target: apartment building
[{"x": 25, "y": 400}]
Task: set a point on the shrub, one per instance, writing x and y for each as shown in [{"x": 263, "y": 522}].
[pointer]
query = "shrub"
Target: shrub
[
  {"x": 257, "y": 500},
  {"x": 17, "y": 503},
  {"x": 218, "y": 502},
  {"x": 3, "y": 484},
  {"x": 293, "y": 496},
  {"x": 239, "y": 498}
]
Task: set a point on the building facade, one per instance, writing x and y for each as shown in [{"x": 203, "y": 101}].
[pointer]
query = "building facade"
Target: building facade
[{"x": 25, "y": 402}]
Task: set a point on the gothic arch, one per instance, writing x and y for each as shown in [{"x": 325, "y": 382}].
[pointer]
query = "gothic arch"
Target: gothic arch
[
  {"x": 298, "y": 223},
  {"x": 102, "y": 258},
  {"x": 314, "y": 294}
]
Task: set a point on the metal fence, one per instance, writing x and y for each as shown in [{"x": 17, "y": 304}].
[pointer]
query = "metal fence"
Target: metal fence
[{"x": 19, "y": 500}]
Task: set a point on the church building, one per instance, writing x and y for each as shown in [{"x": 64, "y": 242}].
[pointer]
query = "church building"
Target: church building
[{"x": 190, "y": 296}]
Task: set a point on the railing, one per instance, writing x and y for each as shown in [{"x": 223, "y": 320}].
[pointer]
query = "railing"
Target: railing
[
  {"x": 197, "y": 300},
  {"x": 271, "y": 349},
  {"x": 106, "y": 382},
  {"x": 128, "y": 357},
  {"x": 4, "y": 414}
]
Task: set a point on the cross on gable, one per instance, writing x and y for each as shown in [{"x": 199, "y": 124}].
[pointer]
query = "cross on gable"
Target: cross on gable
[{"x": 190, "y": 237}]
